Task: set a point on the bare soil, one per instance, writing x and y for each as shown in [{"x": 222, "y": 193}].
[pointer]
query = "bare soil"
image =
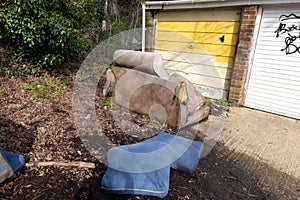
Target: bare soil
[{"x": 43, "y": 129}]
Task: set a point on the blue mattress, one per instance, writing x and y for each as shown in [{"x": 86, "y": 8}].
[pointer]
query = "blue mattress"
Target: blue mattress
[
  {"x": 144, "y": 168},
  {"x": 10, "y": 163}
]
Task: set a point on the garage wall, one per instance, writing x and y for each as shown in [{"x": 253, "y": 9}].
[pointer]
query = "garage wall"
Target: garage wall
[
  {"x": 274, "y": 77},
  {"x": 200, "y": 45}
]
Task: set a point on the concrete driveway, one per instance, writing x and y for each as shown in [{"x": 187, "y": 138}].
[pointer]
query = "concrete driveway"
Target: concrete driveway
[
  {"x": 270, "y": 138},
  {"x": 267, "y": 146}
]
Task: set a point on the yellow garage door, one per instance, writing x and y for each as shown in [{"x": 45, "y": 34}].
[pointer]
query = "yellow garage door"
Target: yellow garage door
[{"x": 200, "y": 45}]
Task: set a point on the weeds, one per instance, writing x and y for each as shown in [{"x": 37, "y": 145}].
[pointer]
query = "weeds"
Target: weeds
[
  {"x": 204, "y": 173},
  {"x": 27, "y": 86},
  {"x": 27, "y": 156},
  {"x": 207, "y": 101},
  {"x": 220, "y": 102},
  {"x": 2, "y": 131},
  {"x": 167, "y": 127},
  {"x": 224, "y": 102},
  {"x": 44, "y": 87},
  {"x": 15, "y": 175},
  {"x": 2, "y": 92},
  {"x": 107, "y": 103}
]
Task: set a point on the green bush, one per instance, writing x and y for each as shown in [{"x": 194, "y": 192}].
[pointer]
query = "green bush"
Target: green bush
[
  {"x": 38, "y": 35},
  {"x": 45, "y": 33}
]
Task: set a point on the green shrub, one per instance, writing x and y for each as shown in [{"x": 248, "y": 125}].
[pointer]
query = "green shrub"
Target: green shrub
[{"x": 45, "y": 33}]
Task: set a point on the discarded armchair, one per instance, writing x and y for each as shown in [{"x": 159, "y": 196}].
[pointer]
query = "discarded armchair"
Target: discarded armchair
[{"x": 142, "y": 85}]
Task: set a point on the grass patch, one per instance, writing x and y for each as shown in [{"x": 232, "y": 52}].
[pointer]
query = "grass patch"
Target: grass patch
[{"x": 45, "y": 87}]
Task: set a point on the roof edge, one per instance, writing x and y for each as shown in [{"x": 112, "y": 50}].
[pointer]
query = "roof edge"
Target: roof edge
[{"x": 193, "y": 4}]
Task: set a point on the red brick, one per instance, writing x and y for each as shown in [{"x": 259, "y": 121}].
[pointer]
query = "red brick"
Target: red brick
[
  {"x": 252, "y": 17},
  {"x": 250, "y": 12},
  {"x": 240, "y": 68}
]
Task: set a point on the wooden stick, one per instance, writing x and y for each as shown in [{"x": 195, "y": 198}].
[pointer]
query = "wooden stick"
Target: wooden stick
[{"x": 62, "y": 164}]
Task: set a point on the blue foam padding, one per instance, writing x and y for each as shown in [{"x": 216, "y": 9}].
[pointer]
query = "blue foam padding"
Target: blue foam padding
[
  {"x": 14, "y": 161},
  {"x": 144, "y": 168},
  {"x": 187, "y": 152},
  {"x": 154, "y": 183}
]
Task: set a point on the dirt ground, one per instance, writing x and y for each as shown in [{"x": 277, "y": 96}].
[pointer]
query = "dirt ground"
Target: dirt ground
[{"x": 42, "y": 128}]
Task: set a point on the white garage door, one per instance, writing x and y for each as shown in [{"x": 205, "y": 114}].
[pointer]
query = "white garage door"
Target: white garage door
[{"x": 274, "y": 78}]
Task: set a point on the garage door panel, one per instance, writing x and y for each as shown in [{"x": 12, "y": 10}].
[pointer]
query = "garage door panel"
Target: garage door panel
[
  {"x": 200, "y": 69},
  {"x": 260, "y": 104},
  {"x": 188, "y": 37},
  {"x": 271, "y": 80},
  {"x": 211, "y": 49},
  {"x": 287, "y": 74},
  {"x": 203, "y": 80},
  {"x": 265, "y": 92},
  {"x": 266, "y": 84},
  {"x": 196, "y": 58},
  {"x": 277, "y": 60},
  {"x": 274, "y": 86},
  {"x": 199, "y": 46},
  {"x": 275, "y": 50},
  {"x": 280, "y": 107},
  {"x": 200, "y": 27},
  {"x": 276, "y": 12},
  {"x": 262, "y": 63},
  {"x": 274, "y": 78}
]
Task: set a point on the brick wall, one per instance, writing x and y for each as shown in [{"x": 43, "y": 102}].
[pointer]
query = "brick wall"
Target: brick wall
[{"x": 241, "y": 65}]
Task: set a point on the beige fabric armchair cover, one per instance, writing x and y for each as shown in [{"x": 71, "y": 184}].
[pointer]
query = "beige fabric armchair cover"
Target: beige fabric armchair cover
[{"x": 142, "y": 85}]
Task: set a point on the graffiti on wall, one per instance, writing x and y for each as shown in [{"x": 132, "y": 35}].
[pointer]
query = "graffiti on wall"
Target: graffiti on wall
[{"x": 289, "y": 27}]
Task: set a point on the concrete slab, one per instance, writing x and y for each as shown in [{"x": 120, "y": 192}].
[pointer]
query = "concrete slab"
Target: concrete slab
[
  {"x": 270, "y": 138},
  {"x": 264, "y": 144}
]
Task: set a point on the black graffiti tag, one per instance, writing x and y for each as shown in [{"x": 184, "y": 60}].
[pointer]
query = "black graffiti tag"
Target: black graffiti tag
[
  {"x": 291, "y": 31},
  {"x": 290, "y": 46}
]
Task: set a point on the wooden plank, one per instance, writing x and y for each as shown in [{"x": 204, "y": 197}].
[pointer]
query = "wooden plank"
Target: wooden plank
[
  {"x": 202, "y": 70},
  {"x": 210, "y": 49},
  {"x": 221, "y": 27},
  {"x": 200, "y": 15},
  {"x": 204, "y": 38},
  {"x": 196, "y": 58}
]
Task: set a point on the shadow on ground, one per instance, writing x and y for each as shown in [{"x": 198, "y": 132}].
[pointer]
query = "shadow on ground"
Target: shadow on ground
[
  {"x": 15, "y": 137},
  {"x": 222, "y": 174}
]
